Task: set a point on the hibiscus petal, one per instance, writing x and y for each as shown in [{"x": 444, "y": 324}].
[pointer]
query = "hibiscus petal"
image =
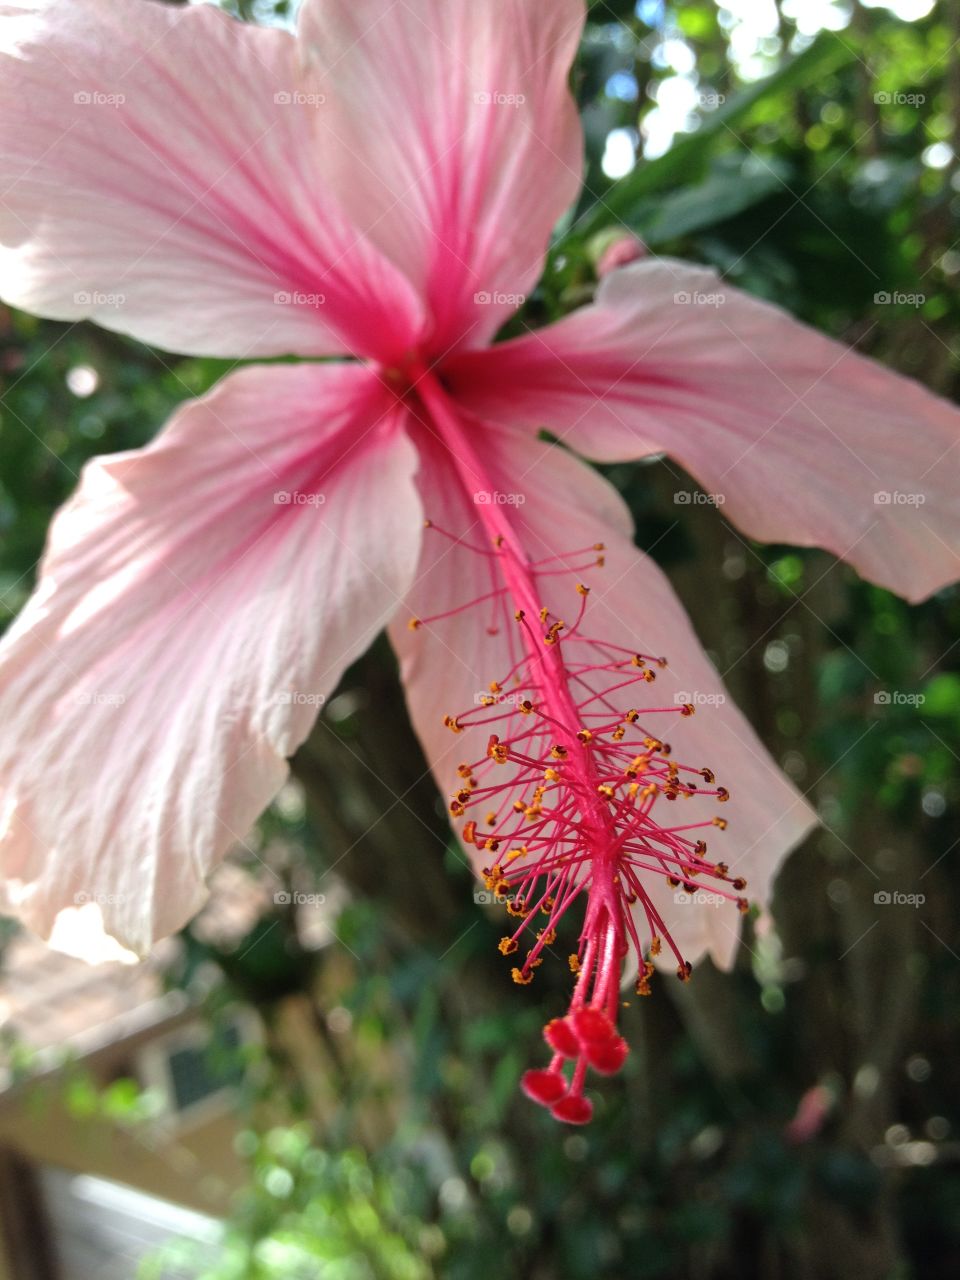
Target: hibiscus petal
[
  {"x": 559, "y": 504},
  {"x": 161, "y": 172},
  {"x": 807, "y": 441},
  {"x": 451, "y": 125},
  {"x": 197, "y": 600}
]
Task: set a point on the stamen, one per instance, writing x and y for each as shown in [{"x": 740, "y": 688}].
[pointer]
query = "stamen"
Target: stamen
[{"x": 562, "y": 799}]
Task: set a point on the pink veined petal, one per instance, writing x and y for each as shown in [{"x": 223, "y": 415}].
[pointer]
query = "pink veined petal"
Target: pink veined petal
[
  {"x": 560, "y": 504},
  {"x": 450, "y": 125},
  {"x": 197, "y": 600},
  {"x": 807, "y": 441},
  {"x": 162, "y": 171}
]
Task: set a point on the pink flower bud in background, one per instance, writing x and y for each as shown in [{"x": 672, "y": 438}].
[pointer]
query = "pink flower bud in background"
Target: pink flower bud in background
[
  {"x": 619, "y": 251},
  {"x": 811, "y": 1115}
]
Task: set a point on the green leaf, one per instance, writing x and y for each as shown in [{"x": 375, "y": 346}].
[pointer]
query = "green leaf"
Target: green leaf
[{"x": 687, "y": 158}]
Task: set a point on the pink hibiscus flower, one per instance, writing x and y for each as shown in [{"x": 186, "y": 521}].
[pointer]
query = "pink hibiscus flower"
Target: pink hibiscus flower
[{"x": 382, "y": 187}]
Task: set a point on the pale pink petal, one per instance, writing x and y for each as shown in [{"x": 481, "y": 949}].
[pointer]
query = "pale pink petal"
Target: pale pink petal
[
  {"x": 561, "y": 505},
  {"x": 197, "y": 601},
  {"x": 805, "y": 440},
  {"x": 162, "y": 172},
  {"x": 451, "y": 127}
]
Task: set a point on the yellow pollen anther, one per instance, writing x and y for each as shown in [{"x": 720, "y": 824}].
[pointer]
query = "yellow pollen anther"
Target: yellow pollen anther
[
  {"x": 656, "y": 946},
  {"x": 507, "y": 946},
  {"x": 722, "y": 794},
  {"x": 495, "y": 687},
  {"x": 558, "y": 752},
  {"x": 519, "y": 615},
  {"x": 708, "y": 775},
  {"x": 574, "y": 962},
  {"x": 453, "y": 724},
  {"x": 599, "y": 546},
  {"x": 414, "y": 624},
  {"x": 721, "y": 823},
  {"x": 632, "y": 716},
  {"x": 584, "y": 736},
  {"x": 551, "y": 775},
  {"x": 687, "y": 709},
  {"x": 491, "y": 819},
  {"x": 605, "y": 789},
  {"x": 582, "y": 590},
  {"x": 522, "y": 979}
]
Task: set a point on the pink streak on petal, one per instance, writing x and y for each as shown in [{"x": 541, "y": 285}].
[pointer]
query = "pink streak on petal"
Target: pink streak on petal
[
  {"x": 186, "y": 627},
  {"x": 454, "y": 134},
  {"x": 807, "y": 441}
]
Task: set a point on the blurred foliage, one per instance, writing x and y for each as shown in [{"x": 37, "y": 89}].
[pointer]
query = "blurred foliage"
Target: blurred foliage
[{"x": 818, "y": 171}]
